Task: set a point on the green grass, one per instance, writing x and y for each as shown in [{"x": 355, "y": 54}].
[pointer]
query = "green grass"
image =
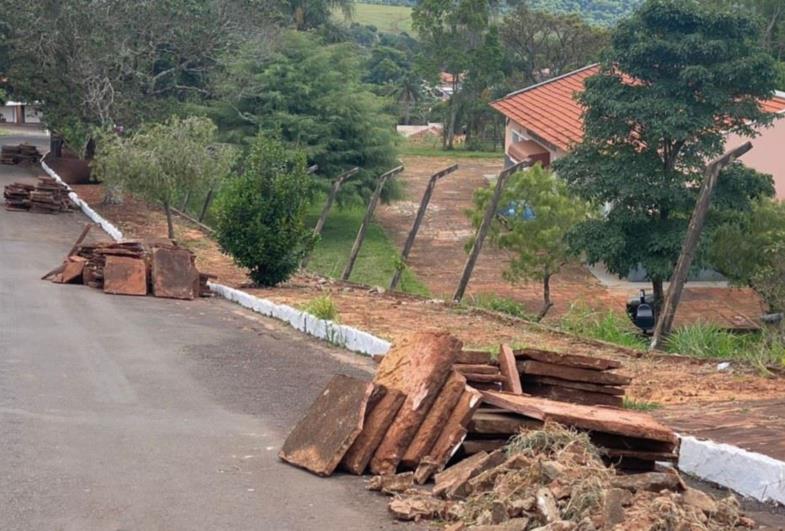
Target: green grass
[
  {"x": 499, "y": 304},
  {"x": 710, "y": 341},
  {"x": 640, "y": 405},
  {"x": 608, "y": 325},
  {"x": 390, "y": 19},
  {"x": 378, "y": 256},
  {"x": 322, "y": 307}
]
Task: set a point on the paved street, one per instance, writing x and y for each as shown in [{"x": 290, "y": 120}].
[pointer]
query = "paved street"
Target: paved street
[{"x": 143, "y": 413}]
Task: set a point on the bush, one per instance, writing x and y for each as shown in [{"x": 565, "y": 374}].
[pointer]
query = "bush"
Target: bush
[
  {"x": 260, "y": 214},
  {"x": 322, "y": 307}
]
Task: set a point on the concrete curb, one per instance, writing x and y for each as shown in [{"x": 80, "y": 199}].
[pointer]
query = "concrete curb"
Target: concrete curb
[
  {"x": 344, "y": 336},
  {"x": 749, "y": 473}
]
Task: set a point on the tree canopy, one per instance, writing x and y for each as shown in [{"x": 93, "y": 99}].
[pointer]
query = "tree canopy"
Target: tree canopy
[
  {"x": 651, "y": 126},
  {"x": 310, "y": 96}
]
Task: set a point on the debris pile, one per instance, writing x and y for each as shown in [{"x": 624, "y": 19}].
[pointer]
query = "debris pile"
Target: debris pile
[
  {"x": 22, "y": 153},
  {"x": 159, "y": 267},
  {"x": 554, "y": 479},
  {"x": 432, "y": 405},
  {"x": 48, "y": 196}
]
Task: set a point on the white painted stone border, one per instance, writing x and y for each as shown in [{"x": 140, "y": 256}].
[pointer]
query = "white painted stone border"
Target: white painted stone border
[
  {"x": 342, "y": 335},
  {"x": 750, "y": 474}
]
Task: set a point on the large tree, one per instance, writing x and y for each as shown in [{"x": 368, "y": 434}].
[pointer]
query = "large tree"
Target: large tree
[
  {"x": 112, "y": 62},
  {"x": 309, "y": 95},
  {"x": 458, "y": 38},
  {"x": 540, "y": 45},
  {"x": 679, "y": 77}
]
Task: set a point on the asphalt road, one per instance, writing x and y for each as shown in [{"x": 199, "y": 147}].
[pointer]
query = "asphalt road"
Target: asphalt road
[{"x": 129, "y": 413}]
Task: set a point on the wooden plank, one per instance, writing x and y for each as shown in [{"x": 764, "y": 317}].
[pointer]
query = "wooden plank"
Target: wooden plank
[
  {"x": 476, "y": 357},
  {"x": 476, "y": 368},
  {"x": 487, "y": 423},
  {"x": 432, "y": 426},
  {"x": 571, "y": 373},
  {"x": 319, "y": 441},
  {"x": 583, "y": 386},
  {"x": 512, "y": 379},
  {"x": 576, "y": 396},
  {"x": 571, "y": 360},
  {"x": 377, "y": 421},
  {"x": 614, "y": 421},
  {"x": 418, "y": 367}
]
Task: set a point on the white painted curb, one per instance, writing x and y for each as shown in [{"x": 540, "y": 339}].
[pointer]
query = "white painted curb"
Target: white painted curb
[
  {"x": 345, "y": 336},
  {"x": 110, "y": 229},
  {"x": 748, "y": 473}
]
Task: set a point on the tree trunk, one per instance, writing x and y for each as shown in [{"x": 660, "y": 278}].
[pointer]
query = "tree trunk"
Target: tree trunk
[
  {"x": 546, "y": 297},
  {"x": 89, "y": 150},
  {"x": 169, "y": 224},
  {"x": 206, "y": 205}
]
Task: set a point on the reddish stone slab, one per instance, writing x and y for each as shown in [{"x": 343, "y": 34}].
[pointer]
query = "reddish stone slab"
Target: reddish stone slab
[
  {"x": 433, "y": 424},
  {"x": 174, "y": 275},
  {"x": 583, "y": 386},
  {"x": 418, "y": 367},
  {"x": 377, "y": 421},
  {"x": 607, "y": 420},
  {"x": 72, "y": 270},
  {"x": 571, "y": 360},
  {"x": 576, "y": 396},
  {"x": 476, "y": 357},
  {"x": 125, "y": 276},
  {"x": 320, "y": 440},
  {"x": 512, "y": 379},
  {"x": 571, "y": 373}
]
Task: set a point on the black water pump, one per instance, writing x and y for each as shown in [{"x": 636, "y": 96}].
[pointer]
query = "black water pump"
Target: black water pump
[{"x": 642, "y": 312}]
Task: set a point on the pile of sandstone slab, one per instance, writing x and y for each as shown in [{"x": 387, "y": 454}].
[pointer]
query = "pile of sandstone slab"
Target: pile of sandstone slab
[
  {"x": 423, "y": 417},
  {"x": 47, "y": 196},
  {"x": 133, "y": 267}
]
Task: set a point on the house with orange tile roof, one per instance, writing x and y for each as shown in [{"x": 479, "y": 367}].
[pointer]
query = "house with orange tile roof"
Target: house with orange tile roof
[{"x": 544, "y": 121}]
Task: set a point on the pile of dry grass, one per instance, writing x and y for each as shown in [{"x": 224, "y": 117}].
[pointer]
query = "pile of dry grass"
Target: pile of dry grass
[{"x": 554, "y": 479}]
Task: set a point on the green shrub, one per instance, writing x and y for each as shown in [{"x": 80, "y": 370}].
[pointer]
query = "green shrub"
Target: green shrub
[
  {"x": 322, "y": 307},
  {"x": 260, "y": 214},
  {"x": 610, "y": 326}
]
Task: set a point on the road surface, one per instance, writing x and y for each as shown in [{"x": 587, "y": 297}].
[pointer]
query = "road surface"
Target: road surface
[{"x": 136, "y": 413}]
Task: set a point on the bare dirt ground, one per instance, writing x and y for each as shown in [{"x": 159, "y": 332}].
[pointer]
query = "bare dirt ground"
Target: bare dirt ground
[
  {"x": 658, "y": 379},
  {"x": 438, "y": 255}
]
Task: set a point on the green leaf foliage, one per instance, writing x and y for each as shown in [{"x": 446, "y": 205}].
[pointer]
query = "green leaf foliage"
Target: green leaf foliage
[
  {"x": 260, "y": 213},
  {"x": 651, "y": 126},
  {"x": 161, "y": 160},
  {"x": 310, "y": 96},
  {"x": 536, "y": 211}
]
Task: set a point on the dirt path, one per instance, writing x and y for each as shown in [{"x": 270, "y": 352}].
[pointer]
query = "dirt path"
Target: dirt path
[{"x": 438, "y": 255}]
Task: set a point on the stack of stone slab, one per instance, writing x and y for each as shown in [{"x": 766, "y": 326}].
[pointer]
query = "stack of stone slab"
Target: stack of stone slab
[
  {"x": 573, "y": 378},
  {"x": 419, "y": 413},
  {"x": 21, "y": 153},
  {"x": 48, "y": 196},
  {"x": 159, "y": 267}
]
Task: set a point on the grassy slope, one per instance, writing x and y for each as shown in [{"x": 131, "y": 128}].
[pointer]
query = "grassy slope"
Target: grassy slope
[
  {"x": 375, "y": 264},
  {"x": 392, "y": 19}
]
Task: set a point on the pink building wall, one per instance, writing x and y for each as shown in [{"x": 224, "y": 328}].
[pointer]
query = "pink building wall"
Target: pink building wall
[{"x": 768, "y": 153}]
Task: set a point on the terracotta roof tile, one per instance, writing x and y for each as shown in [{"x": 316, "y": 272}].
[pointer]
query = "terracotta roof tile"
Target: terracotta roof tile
[{"x": 550, "y": 111}]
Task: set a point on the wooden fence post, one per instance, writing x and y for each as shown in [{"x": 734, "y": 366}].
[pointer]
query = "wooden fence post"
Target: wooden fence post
[
  {"x": 482, "y": 232},
  {"x": 358, "y": 241},
  {"x": 690, "y": 245},
  {"x": 336, "y": 186},
  {"x": 426, "y": 198}
]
